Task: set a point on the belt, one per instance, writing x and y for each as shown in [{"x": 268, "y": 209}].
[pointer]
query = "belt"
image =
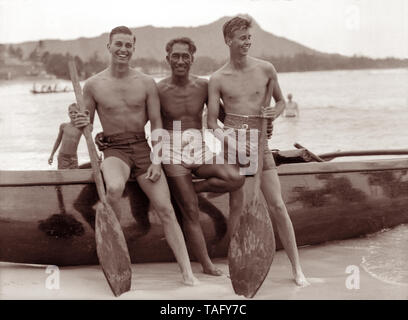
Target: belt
[
  {"x": 243, "y": 122},
  {"x": 130, "y": 137}
]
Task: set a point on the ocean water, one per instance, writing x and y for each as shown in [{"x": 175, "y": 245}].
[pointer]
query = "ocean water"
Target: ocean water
[{"x": 339, "y": 110}]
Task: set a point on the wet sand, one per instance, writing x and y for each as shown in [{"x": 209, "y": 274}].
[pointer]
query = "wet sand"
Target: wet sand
[{"x": 324, "y": 265}]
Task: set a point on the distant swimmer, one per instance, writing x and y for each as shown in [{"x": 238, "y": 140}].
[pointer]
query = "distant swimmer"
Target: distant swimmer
[
  {"x": 291, "y": 109},
  {"x": 68, "y": 137}
]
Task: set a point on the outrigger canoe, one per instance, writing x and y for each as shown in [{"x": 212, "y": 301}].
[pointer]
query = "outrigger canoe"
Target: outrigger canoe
[{"x": 47, "y": 217}]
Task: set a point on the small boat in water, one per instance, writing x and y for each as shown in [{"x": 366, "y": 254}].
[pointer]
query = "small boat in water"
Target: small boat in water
[
  {"x": 49, "y": 89},
  {"x": 47, "y": 217}
]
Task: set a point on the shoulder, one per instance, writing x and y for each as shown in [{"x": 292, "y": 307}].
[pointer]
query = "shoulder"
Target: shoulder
[
  {"x": 221, "y": 72},
  {"x": 164, "y": 83},
  {"x": 93, "y": 80},
  {"x": 217, "y": 76},
  {"x": 63, "y": 125},
  {"x": 265, "y": 66},
  {"x": 147, "y": 80},
  {"x": 200, "y": 82}
]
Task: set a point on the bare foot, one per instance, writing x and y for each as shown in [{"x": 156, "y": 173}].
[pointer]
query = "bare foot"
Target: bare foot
[
  {"x": 190, "y": 280},
  {"x": 213, "y": 271},
  {"x": 301, "y": 280}
]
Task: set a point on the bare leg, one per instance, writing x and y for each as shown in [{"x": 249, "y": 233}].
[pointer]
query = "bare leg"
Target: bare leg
[
  {"x": 115, "y": 173},
  {"x": 183, "y": 191},
  {"x": 159, "y": 196},
  {"x": 272, "y": 192},
  {"x": 218, "y": 178},
  {"x": 224, "y": 178},
  {"x": 236, "y": 204}
]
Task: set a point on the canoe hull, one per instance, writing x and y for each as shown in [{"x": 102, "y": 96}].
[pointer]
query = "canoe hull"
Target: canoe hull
[{"x": 47, "y": 217}]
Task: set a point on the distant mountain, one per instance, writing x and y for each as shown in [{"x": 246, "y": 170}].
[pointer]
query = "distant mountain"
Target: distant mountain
[{"x": 151, "y": 41}]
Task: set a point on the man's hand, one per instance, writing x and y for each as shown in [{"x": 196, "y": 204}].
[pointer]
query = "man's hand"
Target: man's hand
[
  {"x": 50, "y": 160},
  {"x": 153, "y": 172},
  {"x": 269, "y": 112},
  {"x": 82, "y": 120},
  {"x": 100, "y": 141}
]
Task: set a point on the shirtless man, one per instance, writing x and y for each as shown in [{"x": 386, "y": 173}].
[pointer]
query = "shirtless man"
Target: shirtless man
[
  {"x": 68, "y": 137},
  {"x": 242, "y": 85},
  {"x": 125, "y": 100},
  {"x": 292, "y": 109},
  {"x": 182, "y": 99}
]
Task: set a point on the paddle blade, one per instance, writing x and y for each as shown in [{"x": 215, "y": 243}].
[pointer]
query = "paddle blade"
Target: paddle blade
[
  {"x": 251, "y": 249},
  {"x": 112, "y": 250}
]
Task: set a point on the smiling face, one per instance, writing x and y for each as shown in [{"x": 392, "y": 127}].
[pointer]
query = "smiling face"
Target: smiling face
[
  {"x": 180, "y": 59},
  {"x": 240, "y": 41},
  {"x": 121, "y": 48}
]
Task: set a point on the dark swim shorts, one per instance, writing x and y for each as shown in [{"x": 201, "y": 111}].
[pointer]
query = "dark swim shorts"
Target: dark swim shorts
[
  {"x": 132, "y": 148},
  {"x": 67, "y": 161}
]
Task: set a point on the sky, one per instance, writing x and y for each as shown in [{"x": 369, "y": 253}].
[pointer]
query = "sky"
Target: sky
[{"x": 375, "y": 28}]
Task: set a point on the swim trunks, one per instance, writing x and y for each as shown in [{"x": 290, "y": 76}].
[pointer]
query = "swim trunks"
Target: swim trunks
[
  {"x": 243, "y": 125},
  {"x": 131, "y": 148},
  {"x": 67, "y": 161},
  {"x": 185, "y": 151}
]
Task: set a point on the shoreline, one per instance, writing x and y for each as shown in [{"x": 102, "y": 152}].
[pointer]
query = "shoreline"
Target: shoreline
[{"x": 327, "y": 267}]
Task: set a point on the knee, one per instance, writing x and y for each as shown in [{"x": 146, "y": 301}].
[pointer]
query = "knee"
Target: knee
[
  {"x": 166, "y": 213},
  {"x": 278, "y": 209},
  {"x": 115, "y": 190},
  {"x": 234, "y": 179},
  {"x": 190, "y": 211}
]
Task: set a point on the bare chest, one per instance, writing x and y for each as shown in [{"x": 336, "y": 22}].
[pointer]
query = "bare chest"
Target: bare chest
[
  {"x": 120, "y": 95},
  {"x": 244, "y": 87},
  {"x": 178, "y": 102},
  {"x": 71, "y": 132}
]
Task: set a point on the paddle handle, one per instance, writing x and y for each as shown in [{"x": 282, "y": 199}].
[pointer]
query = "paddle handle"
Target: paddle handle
[
  {"x": 314, "y": 156},
  {"x": 93, "y": 155}
]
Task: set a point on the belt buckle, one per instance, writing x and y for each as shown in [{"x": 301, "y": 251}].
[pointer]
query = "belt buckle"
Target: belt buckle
[{"x": 245, "y": 125}]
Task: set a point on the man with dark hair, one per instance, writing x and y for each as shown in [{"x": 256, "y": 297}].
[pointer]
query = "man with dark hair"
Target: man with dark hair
[
  {"x": 125, "y": 100},
  {"x": 184, "y": 40},
  {"x": 182, "y": 99},
  {"x": 121, "y": 30},
  {"x": 242, "y": 84}
]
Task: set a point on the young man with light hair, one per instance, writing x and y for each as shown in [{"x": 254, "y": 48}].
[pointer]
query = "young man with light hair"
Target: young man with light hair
[{"x": 242, "y": 84}]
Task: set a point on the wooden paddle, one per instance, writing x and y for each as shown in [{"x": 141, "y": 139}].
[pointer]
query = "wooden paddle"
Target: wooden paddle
[
  {"x": 314, "y": 156},
  {"x": 381, "y": 152},
  {"x": 252, "y": 245},
  {"x": 110, "y": 242}
]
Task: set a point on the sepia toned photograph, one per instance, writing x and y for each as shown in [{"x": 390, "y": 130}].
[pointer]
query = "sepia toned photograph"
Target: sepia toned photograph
[{"x": 204, "y": 150}]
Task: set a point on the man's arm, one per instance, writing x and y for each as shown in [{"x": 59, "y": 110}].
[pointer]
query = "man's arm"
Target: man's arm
[
  {"x": 56, "y": 144},
  {"x": 276, "y": 93},
  {"x": 83, "y": 119},
  {"x": 153, "y": 114},
  {"x": 214, "y": 95}
]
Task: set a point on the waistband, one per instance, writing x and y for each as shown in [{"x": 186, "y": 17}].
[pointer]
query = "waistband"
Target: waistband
[
  {"x": 67, "y": 155},
  {"x": 181, "y": 125},
  {"x": 243, "y": 122},
  {"x": 126, "y": 137}
]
